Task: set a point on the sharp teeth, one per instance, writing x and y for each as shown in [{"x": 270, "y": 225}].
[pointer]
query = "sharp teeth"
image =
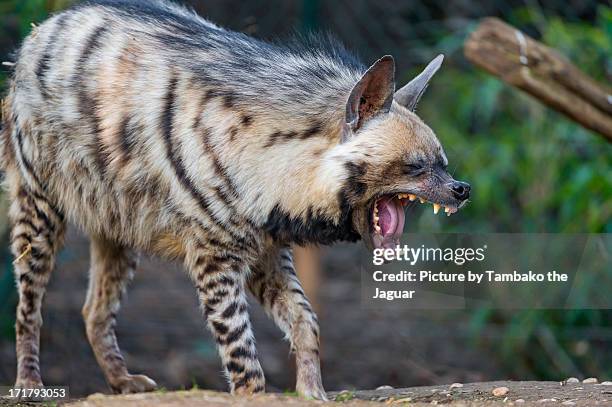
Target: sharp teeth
[
  {"x": 377, "y": 228},
  {"x": 436, "y": 208},
  {"x": 446, "y": 209},
  {"x": 422, "y": 200},
  {"x": 411, "y": 197}
]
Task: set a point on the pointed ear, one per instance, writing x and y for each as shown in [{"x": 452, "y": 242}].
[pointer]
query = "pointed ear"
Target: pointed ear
[
  {"x": 372, "y": 95},
  {"x": 409, "y": 95}
]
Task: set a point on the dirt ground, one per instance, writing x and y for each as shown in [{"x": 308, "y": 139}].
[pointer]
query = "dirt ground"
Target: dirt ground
[{"x": 472, "y": 394}]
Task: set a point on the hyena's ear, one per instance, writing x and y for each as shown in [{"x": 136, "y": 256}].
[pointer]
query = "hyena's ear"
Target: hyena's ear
[
  {"x": 372, "y": 95},
  {"x": 409, "y": 95}
]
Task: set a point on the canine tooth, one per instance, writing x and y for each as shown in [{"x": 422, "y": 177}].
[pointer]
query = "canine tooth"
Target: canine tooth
[
  {"x": 411, "y": 197},
  {"x": 377, "y": 228},
  {"x": 436, "y": 208},
  {"x": 422, "y": 200},
  {"x": 446, "y": 209}
]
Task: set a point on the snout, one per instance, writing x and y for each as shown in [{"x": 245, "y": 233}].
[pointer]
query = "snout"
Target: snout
[{"x": 460, "y": 190}]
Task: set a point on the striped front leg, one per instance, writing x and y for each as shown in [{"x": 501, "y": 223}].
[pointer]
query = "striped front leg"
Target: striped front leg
[
  {"x": 220, "y": 281},
  {"x": 277, "y": 287}
]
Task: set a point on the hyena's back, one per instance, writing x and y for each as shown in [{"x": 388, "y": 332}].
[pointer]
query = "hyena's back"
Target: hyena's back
[{"x": 104, "y": 96}]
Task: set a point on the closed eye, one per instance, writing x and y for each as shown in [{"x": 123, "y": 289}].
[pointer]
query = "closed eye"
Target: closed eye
[{"x": 414, "y": 169}]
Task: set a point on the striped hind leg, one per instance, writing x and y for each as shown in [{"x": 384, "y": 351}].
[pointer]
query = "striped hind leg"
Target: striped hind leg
[
  {"x": 278, "y": 289},
  {"x": 112, "y": 267},
  {"x": 36, "y": 236}
]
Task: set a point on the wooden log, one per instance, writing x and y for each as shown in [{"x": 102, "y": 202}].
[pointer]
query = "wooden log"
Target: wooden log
[{"x": 521, "y": 61}]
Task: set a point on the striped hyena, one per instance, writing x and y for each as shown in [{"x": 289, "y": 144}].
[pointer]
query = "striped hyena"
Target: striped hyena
[{"x": 157, "y": 131}]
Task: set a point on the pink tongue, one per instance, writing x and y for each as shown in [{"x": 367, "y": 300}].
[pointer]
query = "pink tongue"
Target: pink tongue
[{"x": 390, "y": 217}]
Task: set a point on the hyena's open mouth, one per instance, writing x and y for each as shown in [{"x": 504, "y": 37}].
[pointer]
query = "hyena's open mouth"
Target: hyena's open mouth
[{"x": 387, "y": 217}]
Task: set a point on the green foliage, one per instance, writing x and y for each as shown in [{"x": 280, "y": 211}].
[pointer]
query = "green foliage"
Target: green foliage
[
  {"x": 532, "y": 170},
  {"x": 7, "y": 293},
  {"x": 345, "y": 395},
  {"x": 16, "y": 19}
]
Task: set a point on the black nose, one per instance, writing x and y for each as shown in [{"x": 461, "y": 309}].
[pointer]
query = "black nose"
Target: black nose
[{"x": 461, "y": 190}]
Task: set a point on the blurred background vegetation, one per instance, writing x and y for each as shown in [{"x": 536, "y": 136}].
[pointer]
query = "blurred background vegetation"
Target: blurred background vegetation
[{"x": 532, "y": 169}]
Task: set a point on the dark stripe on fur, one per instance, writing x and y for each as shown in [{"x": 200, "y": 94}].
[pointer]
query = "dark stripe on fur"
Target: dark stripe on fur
[
  {"x": 220, "y": 327},
  {"x": 246, "y": 120},
  {"x": 229, "y": 311},
  {"x": 127, "y": 139},
  {"x": 218, "y": 167},
  {"x": 234, "y": 335},
  {"x": 87, "y": 103},
  {"x": 220, "y": 170},
  {"x": 249, "y": 375},
  {"x": 355, "y": 184},
  {"x": 28, "y": 166},
  {"x": 279, "y": 136},
  {"x": 234, "y": 367},
  {"x": 167, "y": 119},
  {"x": 233, "y": 132},
  {"x": 44, "y": 62},
  {"x": 297, "y": 291},
  {"x": 241, "y": 352},
  {"x": 28, "y": 223},
  {"x": 313, "y": 130}
]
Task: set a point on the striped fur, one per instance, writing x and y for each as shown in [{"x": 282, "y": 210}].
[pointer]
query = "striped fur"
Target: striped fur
[{"x": 156, "y": 131}]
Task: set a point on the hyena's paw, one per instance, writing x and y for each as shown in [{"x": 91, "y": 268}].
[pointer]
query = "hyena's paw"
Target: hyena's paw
[
  {"x": 311, "y": 391},
  {"x": 251, "y": 383},
  {"x": 133, "y": 384},
  {"x": 28, "y": 383},
  {"x": 248, "y": 391},
  {"x": 309, "y": 383}
]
